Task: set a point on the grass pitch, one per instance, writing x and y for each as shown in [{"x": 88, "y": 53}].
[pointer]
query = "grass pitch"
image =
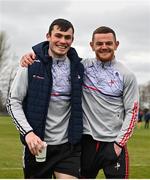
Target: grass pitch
[{"x": 11, "y": 152}]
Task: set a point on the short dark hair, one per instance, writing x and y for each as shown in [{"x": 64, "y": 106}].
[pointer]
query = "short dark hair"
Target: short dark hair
[
  {"x": 63, "y": 24},
  {"x": 104, "y": 30}
]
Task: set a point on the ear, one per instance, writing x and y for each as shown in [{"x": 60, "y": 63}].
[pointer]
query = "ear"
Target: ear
[
  {"x": 92, "y": 46},
  {"x": 117, "y": 44},
  {"x": 48, "y": 36},
  {"x": 72, "y": 38}
]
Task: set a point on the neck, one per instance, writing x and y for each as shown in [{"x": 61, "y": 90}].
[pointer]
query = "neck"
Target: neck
[
  {"x": 105, "y": 61},
  {"x": 55, "y": 56}
]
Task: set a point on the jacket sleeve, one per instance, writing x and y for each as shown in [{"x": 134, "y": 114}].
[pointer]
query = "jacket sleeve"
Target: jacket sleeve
[
  {"x": 14, "y": 102},
  {"x": 131, "y": 105}
]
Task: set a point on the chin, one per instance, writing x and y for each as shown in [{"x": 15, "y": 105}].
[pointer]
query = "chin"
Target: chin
[
  {"x": 105, "y": 59},
  {"x": 59, "y": 53}
]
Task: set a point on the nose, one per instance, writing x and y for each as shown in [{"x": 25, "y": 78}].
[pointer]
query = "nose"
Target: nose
[
  {"x": 63, "y": 40},
  {"x": 104, "y": 45}
]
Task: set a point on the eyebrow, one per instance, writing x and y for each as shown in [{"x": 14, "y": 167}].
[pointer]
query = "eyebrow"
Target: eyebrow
[
  {"x": 66, "y": 36},
  {"x": 107, "y": 42}
]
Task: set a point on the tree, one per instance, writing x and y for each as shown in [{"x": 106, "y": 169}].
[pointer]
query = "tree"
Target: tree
[
  {"x": 7, "y": 68},
  {"x": 1, "y": 103},
  {"x": 4, "y": 48},
  {"x": 145, "y": 96}
]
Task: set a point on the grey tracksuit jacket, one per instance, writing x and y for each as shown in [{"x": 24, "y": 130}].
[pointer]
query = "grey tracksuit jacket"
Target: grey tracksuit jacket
[{"x": 110, "y": 101}]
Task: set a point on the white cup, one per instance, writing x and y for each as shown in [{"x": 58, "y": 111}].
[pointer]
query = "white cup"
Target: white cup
[{"x": 41, "y": 157}]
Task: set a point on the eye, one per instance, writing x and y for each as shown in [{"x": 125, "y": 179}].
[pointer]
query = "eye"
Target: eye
[
  {"x": 58, "y": 35},
  {"x": 68, "y": 37},
  {"x": 109, "y": 43},
  {"x": 99, "y": 43}
]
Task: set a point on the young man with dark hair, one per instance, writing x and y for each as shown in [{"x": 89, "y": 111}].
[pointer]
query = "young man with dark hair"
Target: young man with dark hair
[
  {"x": 45, "y": 104},
  {"x": 110, "y": 107}
]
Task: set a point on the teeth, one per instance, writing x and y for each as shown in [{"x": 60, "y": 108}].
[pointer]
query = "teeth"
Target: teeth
[{"x": 62, "y": 47}]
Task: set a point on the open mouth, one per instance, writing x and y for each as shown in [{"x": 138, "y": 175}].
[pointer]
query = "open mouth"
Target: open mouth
[
  {"x": 105, "y": 53},
  {"x": 62, "y": 47}
]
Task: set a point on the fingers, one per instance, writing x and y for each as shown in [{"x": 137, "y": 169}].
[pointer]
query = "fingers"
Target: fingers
[
  {"x": 35, "y": 144},
  {"x": 36, "y": 147},
  {"x": 33, "y": 148},
  {"x": 27, "y": 59},
  {"x": 24, "y": 62},
  {"x": 33, "y": 56}
]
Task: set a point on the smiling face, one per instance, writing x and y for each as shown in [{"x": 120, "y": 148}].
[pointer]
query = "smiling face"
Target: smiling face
[
  {"x": 104, "y": 46},
  {"x": 60, "y": 41}
]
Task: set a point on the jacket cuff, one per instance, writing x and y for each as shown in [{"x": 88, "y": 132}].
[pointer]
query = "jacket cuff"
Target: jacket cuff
[{"x": 22, "y": 138}]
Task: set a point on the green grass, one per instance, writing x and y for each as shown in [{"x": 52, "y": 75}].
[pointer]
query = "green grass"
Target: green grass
[{"x": 11, "y": 152}]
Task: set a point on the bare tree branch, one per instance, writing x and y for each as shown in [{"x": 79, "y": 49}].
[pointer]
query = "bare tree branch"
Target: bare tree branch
[{"x": 4, "y": 47}]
